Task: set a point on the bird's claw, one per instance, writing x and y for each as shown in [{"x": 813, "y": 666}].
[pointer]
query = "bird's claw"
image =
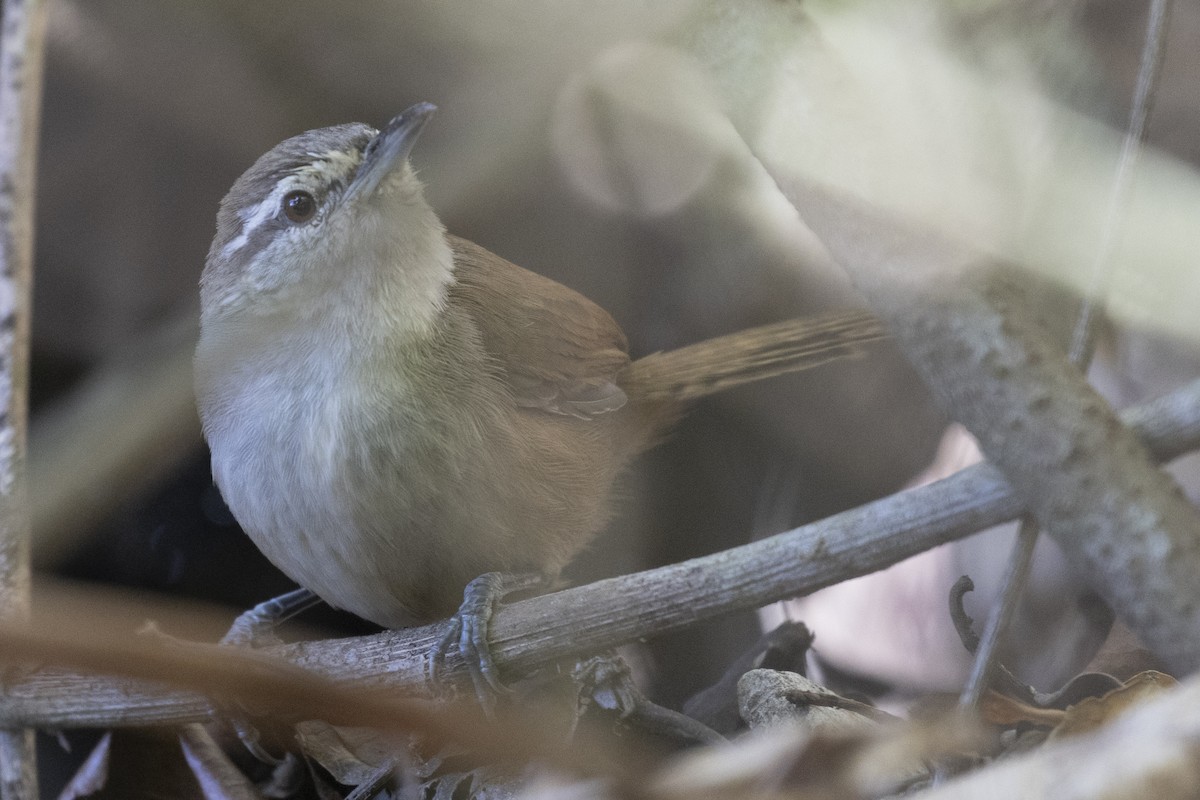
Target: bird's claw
[
  {"x": 469, "y": 630},
  {"x": 252, "y": 629},
  {"x": 257, "y": 624}
]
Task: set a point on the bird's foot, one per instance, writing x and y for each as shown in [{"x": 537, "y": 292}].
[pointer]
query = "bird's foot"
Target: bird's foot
[
  {"x": 256, "y": 628},
  {"x": 469, "y": 629}
]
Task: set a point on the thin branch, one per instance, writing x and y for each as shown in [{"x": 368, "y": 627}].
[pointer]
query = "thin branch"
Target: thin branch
[
  {"x": 21, "y": 59},
  {"x": 1149, "y": 72},
  {"x": 588, "y": 619},
  {"x": 1083, "y": 337},
  {"x": 375, "y": 784},
  {"x": 964, "y": 626},
  {"x": 1016, "y": 576}
]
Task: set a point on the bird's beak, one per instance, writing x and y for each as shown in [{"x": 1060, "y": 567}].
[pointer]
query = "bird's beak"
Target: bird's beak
[{"x": 390, "y": 148}]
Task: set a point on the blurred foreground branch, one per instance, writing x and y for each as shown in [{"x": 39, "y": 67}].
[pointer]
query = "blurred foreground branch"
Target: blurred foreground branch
[
  {"x": 274, "y": 687},
  {"x": 583, "y": 620}
]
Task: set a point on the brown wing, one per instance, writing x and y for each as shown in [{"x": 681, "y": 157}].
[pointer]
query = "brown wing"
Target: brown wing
[{"x": 560, "y": 351}]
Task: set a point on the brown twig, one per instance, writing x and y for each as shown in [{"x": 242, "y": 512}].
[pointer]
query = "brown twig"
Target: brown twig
[
  {"x": 1016, "y": 576},
  {"x": 964, "y": 626},
  {"x": 280, "y": 689}
]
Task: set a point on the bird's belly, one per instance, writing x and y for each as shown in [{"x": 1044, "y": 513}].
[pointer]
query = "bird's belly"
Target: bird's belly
[
  {"x": 330, "y": 507},
  {"x": 390, "y": 518}
]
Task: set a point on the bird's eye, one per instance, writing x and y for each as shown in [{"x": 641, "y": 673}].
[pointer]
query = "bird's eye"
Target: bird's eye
[{"x": 299, "y": 206}]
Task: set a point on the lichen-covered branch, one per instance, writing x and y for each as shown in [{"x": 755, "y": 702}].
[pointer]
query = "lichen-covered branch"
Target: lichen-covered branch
[{"x": 1085, "y": 478}]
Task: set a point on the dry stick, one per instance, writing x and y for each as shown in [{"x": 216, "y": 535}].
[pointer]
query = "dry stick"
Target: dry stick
[
  {"x": 21, "y": 55},
  {"x": 1016, "y": 576},
  {"x": 375, "y": 783},
  {"x": 1149, "y": 73},
  {"x": 1083, "y": 337},
  {"x": 601, "y": 615}
]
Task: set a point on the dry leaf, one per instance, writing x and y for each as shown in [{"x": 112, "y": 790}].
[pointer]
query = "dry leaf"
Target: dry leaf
[
  {"x": 1000, "y": 709},
  {"x": 1095, "y": 712}
]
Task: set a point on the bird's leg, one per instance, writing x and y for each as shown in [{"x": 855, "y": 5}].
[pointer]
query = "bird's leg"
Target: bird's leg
[
  {"x": 470, "y": 626},
  {"x": 257, "y": 625},
  {"x": 254, "y": 628}
]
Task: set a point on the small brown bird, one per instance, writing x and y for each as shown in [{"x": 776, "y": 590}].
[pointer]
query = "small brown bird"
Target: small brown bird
[{"x": 393, "y": 411}]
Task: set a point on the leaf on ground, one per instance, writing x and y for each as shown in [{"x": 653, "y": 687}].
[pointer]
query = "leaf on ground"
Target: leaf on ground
[
  {"x": 1088, "y": 714},
  {"x": 1007, "y": 712},
  {"x": 1095, "y": 712}
]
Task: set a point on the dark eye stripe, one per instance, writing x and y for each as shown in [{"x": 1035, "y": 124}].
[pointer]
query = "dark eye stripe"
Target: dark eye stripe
[
  {"x": 292, "y": 159},
  {"x": 261, "y": 238}
]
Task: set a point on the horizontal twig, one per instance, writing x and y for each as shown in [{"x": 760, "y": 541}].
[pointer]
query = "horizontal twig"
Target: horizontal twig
[{"x": 590, "y": 618}]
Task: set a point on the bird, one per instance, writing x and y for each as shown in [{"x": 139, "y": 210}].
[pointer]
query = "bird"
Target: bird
[{"x": 393, "y": 411}]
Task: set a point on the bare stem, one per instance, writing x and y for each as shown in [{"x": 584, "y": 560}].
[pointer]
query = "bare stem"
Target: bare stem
[
  {"x": 21, "y": 56},
  {"x": 1149, "y": 73}
]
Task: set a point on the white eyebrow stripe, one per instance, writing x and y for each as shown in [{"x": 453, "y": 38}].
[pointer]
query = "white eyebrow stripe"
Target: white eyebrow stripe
[
  {"x": 327, "y": 166},
  {"x": 253, "y": 219}
]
